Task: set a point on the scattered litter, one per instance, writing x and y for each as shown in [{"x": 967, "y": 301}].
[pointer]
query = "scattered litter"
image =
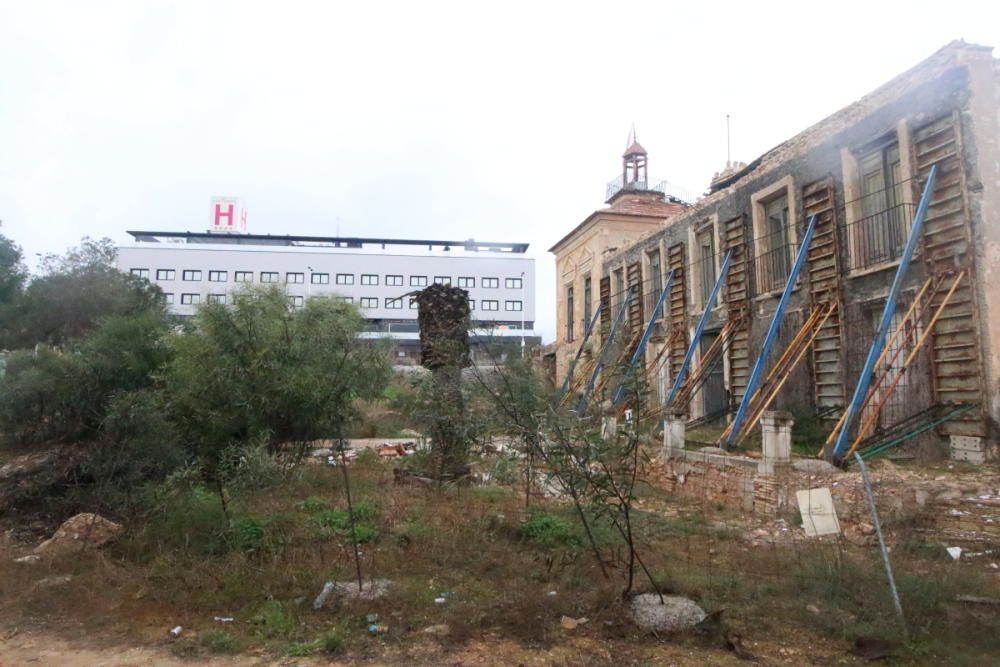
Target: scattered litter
[
  {"x": 552, "y": 594},
  {"x": 812, "y": 609},
  {"x": 224, "y": 619},
  {"x": 955, "y": 552},
  {"x": 440, "y": 600},
  {"x": 437, "y": 630},
  {"x": 377, "y": 629},
  {"x": 176, "y": 631},
  {"x": 569, "y": 623},
  {"x": 975, "y": 599},
  {"x": 324, "y": 595},
  {"x": 371, "y": 618},
  {"x": 30, "y": 558}
]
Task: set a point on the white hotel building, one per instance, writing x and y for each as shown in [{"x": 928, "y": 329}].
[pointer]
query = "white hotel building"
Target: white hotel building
[{"x": 379, "y": 276}]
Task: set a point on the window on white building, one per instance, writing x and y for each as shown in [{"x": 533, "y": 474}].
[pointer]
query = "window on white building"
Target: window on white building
[
  {"x": 296, "y": 300},
  {"x": 168, "y": 298},
  {"x": 418, "y": 281},
  {"x": 345, "y": 278},
  {"x": 393, "y": 280},
  {"x": 345, "y": 299},
  {"x": 369, "y": 302},
  {"x": 295, "y": 278},
  {"x": 165, "y": 274},
  {"x": 393, "y": 304},
  {"x": 472, "y": 304},
  {"x": 466, "y": 281},
  {"x": 442, "y": 280},
  {"x": 269, "y": 276},
  {"x": 140, "y": 273},
  {"x": 191, "y": 275},
  {"x": 490, "y": 304},
  {"x": 491, "y": 283},
  {"x": 413, "y": 303},
  {"x": 217, "y": 298},
  {"x": 513, "y": 305},
  {"x": 370, "y": 279},
  {"x": 190, "y": 299},
  {"x": 513, "y": 283},
  {"x": 319, "y": 278},
  {"x": 218, "y": 276},
  {"x": 243, "y": 276}
]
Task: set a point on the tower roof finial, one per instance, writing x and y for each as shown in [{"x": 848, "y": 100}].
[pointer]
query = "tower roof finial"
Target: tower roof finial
[{"x": 634, "y": 147}]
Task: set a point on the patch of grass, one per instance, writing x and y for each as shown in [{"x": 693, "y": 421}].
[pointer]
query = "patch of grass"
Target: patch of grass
[
  {"x": 330, "y": 643},
  {"x": 549, "y": 531},
  {"x": 275, "y": 620},
  {"x": 219, "y": 641}
]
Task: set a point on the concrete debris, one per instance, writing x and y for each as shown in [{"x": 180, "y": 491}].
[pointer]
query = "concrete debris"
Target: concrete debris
[
  {"x": 176, "y": 631},
  {"x": 818, "y": 514},
  {"x": 814, "y": 466},
  {"x": 674, "y": 614},
  {"x": 370, "y": 590},
  {"x": 954, "y": 552},
  {"x": 80, "y": 531}
]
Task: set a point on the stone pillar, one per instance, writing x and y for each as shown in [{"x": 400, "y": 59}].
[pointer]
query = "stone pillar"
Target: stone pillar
[
  {"x": 674, "y": 433},
  {"x": 777, "y": 431},
  {"x": 609, "y": 427}
]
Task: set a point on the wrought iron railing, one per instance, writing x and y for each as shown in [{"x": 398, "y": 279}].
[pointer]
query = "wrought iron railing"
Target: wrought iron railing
[
  {"x": 772, "y": 266},
  {"x": 878, "y": 238},
  {"x": 667, "y": 188}
]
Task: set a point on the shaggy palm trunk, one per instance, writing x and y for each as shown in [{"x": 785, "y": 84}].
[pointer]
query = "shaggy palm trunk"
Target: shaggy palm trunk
[{"x": 444, "y": 350}]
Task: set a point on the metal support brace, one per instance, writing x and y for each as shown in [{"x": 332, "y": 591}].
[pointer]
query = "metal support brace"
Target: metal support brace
[
  {"x": 772, "y": 334},
  {"x": 579, "y": 352},
  {"x": 709, "y": 305},
  {"x": 641, "y": 347},
  {"x": 864, "y": 380},
  {"x": 581, "y": 407}
]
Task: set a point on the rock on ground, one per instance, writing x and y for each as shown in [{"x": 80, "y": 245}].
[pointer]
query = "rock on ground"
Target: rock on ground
[
  {"x": 674, "y": 614},
  {"x": 80, "y": 531}
]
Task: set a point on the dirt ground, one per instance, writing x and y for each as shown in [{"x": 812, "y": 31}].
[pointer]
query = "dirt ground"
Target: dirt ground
[{"x": 47, "y": 649}]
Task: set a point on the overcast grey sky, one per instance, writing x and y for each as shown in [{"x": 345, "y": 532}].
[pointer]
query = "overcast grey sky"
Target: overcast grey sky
[{"x": 498, "y": 121}]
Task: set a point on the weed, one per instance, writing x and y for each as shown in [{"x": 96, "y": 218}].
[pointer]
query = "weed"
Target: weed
[
  {"x": 274, "y": 620},
  {"x": 329, "y": 643},
  {"x": 247, "y": 534},
  {"x": 314, "y": 504},
  {"x": 218, "y": 641}
]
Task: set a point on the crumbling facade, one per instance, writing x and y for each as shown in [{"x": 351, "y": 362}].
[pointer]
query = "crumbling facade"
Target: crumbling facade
[{"x": 860, "y": 172}]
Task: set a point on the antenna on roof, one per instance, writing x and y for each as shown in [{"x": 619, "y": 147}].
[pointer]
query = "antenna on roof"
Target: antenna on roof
[
  {"x": 728, "y": 155},
  {"x": 631, "y": 139}
]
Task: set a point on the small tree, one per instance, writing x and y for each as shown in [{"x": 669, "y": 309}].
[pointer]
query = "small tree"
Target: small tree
[{"x": 264, "y": 369}]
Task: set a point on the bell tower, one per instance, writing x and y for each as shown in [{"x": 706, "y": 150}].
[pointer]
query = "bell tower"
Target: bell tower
[{"x": 634, "y": 163}]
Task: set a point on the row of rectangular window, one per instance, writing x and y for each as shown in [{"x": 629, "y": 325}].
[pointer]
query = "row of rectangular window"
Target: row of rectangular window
[
  {"x": 366, "y": 302},
  {"x": 297, "y": 278}
]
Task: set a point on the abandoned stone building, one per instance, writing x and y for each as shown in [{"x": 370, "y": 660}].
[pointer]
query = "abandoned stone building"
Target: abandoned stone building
[{"x": 859, "y": 174}]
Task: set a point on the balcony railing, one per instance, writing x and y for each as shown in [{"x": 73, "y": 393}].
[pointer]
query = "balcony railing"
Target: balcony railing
[
  {"x": 771, "y": 267},
  {"x": 878, "y": 238},
  {"x": 667, "y": 188}
]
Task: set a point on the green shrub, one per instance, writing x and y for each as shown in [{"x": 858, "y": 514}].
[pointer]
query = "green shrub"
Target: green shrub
[
  {"x": 329, "y": 643},
  {"x": 247, "y": 534},
  {"x": 549, "y": 531}
]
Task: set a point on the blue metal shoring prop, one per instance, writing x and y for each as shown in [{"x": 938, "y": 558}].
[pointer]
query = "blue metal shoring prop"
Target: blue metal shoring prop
[
  {"x": 709, "y": 305},
  {"x": 641, "y": 348},
  {"x": 772, "y": 334},
  {"x": 864, "y": 380},
  {"x": 579, "y": 352},
  {"x": 582, "y": 405}
]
